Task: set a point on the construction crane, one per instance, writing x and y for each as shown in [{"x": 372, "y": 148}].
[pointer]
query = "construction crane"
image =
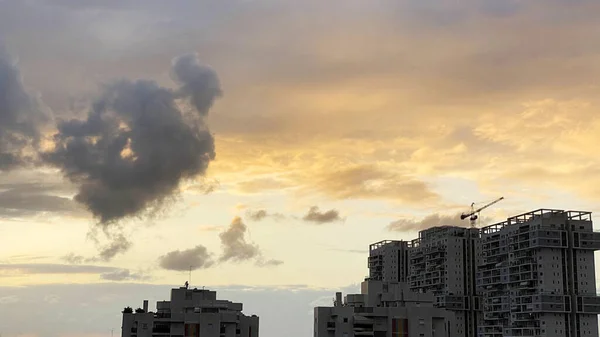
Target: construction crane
[{"x": 473, "y": 215}]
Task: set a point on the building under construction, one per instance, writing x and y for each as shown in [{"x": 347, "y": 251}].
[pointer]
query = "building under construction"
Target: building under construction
[{"x": 532, "y": 275}]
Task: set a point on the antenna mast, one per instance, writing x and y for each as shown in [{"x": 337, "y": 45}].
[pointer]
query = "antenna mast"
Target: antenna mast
[{"x": 190, "y": 278}]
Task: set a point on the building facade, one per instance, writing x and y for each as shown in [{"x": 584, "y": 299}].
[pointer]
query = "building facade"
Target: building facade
[
  {"x": 388, "y": 261},
  {"x": 537, "y": 277},
  {"x": 443, "y": 260},
  {"x": 383, "y": 309},
  {"x": 190, "y": 313}
]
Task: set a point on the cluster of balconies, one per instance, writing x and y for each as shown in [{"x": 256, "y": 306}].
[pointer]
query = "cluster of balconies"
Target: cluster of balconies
[
  {"x": 428, "y": 268},
  {"x": 586, "y": 240},
  {"x": 588, "y": 303}
]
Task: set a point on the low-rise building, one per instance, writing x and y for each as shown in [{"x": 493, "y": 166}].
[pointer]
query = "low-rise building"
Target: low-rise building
[
  {"x": 190, "y": 313},
  {"x": 382, "y": 309}
]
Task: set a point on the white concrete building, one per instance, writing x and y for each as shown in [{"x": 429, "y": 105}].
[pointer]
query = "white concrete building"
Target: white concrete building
[
  {"x": 190, "y": 313},
  {"x": 537, "y": 276},
  {"x": 383, "y": 309},
  {"x": 388, "y": 261},
  {"x": 532, "y": 275},
  {"x": 443, "y": 260}
]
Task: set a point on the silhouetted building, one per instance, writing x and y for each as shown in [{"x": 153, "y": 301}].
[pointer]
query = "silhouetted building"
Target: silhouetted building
[{"x": 190, "y": 313}]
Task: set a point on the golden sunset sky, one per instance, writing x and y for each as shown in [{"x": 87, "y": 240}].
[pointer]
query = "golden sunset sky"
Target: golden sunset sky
[{"x": 381, "y": 114}]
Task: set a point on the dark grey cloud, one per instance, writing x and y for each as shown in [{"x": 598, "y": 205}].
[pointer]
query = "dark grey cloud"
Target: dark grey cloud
[
  {"x": 432, "y": 220},
  {"x": 182, "y": 260},
  {"x": 197, "y": 82},
  {"x": 257, "y": 215},
  {"x": 237, "y": 249},
  {"x": 119, "y": 245},
  {"x": 262, "y": 214},
  {"x": 235, "y": 246},
  {"x": 317, "y": 216},
  {"x": 138, "y": 143},
  {"x": 205, "y": 186},
  {"x": 21, "y": 117}
]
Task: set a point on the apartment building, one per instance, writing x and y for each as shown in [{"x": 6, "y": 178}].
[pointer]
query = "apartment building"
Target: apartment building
[
  {"x": 443, "y": 260},
  {"x": 388, "y": 261},
  {"x": 382, "y": 309},
  {"x": 532, "y": 275},
  {"x": 190, "y": 313},
  {"x": 537, "y": 276}
]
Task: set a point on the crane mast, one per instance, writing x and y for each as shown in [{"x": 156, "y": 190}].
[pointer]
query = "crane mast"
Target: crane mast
[{"x": 473, "y": 215}]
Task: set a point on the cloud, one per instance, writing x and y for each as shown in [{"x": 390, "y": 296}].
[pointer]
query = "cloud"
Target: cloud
[
  {"x": 21, "y": 117},
  {"x": 105, "y": 273},
  {"x": 138, "y": 143},
  {"x": 268, "y": 263},
  {"x": 119, "y": 245},
  {"x": 9, "y": 299},
  {"x": 233, "y": 241},
  {"x": 234, "y": 246},
  {"x": 204, "y": 186},
  {"x": 122, "y": 275},
  {"x": 371, "y": 182},
  {"x": 316, "y": 216},
  {"x": 257, "y": 215},
  {"x": 73, "y": 258},
  {"x": 237, "y": 249},
  {"x": 30, "y": 199},
  {"x": 51, "y": 298},
  {"x": 182, "y": 260},
  {"x": 262, "y": 214},
  {"x": 261, "y": 185},
  {"x": 48, "y": 268},
  {"x": 406, "y": 225}
]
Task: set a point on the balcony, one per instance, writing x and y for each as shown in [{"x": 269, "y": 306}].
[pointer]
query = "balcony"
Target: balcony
[{"x": 589, "y": 304}]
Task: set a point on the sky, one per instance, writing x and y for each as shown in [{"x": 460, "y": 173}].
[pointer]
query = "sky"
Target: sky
[{"x": 266, "y": 143}]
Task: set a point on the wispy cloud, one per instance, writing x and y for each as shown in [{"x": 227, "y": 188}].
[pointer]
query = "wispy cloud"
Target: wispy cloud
[
  {"x": 407, "y": 225},
  {"x": 261, "y": 214},
  {"x": 108, "y": 273}
]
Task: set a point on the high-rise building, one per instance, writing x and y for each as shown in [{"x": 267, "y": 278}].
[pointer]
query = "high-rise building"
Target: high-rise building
[
  {"x": 388, "y": 261},
  {"x": 532, "y": 275},
  {"x": 443, "y": 261},
  {"x": 382, "y": 309},
  {"x": 190, "y": 313},
  {"x": 537, "y": 277}
]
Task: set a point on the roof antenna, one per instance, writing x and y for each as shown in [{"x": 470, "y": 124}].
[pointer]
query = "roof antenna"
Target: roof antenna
[{"x": 190, "y": 278}]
